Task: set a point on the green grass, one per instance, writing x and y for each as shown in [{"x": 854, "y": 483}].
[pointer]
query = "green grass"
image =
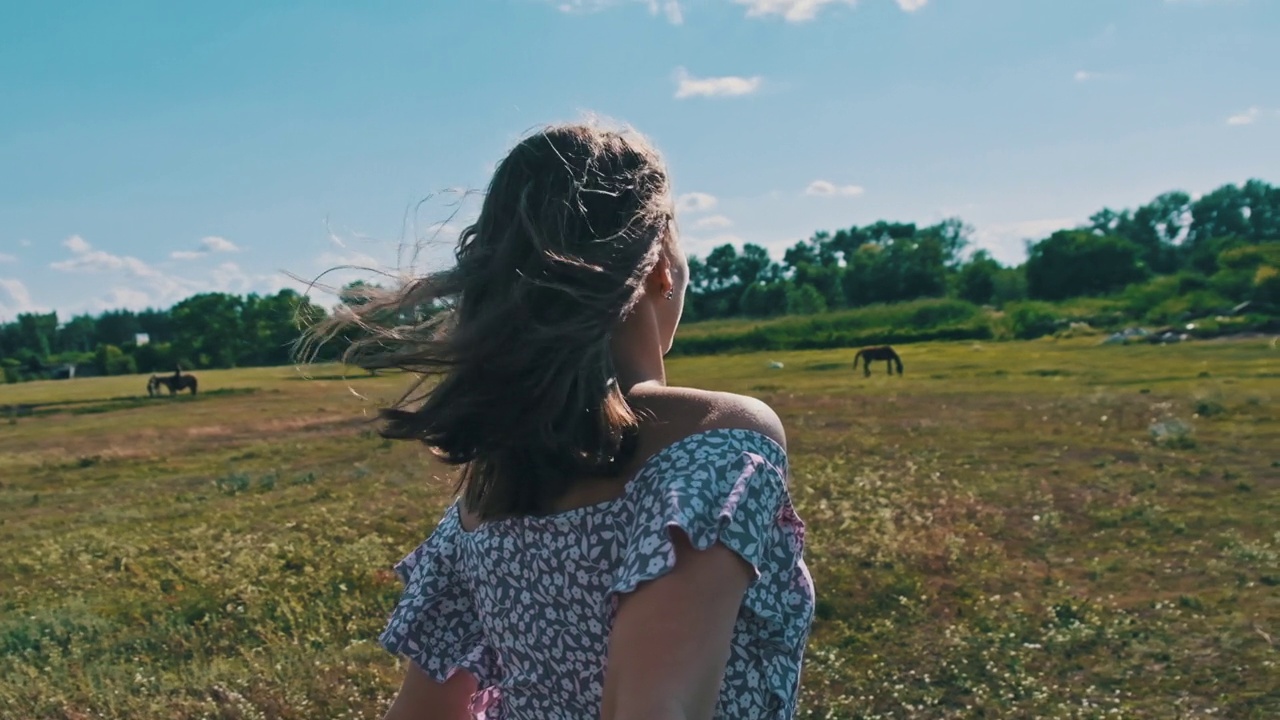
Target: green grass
[
  {"x": 996, "y": 534},
  {"x": 915, "y": 321},
  {"x": 937, "y": 320}
]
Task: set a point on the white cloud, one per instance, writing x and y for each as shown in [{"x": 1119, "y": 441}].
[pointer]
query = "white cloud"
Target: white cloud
[
  {"x": 688, "y": 86},
  {"x": 1089, "y": 76},
  {"x": 670, "y": 9},
  {"x": 18, "y": 299},
  {"x": 712, "y": 222},
  {"x": 110, "y": 281},
  {"x": 351, "y": 258},
  {"x": 797, "y": 11},
  {"x": 333, "y": 270},
  {"x": 7, "y": 258},
  {"x": 86, "y": 260},
  {"x": 696, "y": 245},
  {"x": 912, "y": 5},
  {"x": 228, "y": 277},
  {"x": 76, "y": 244},
  {"x": 215, "y": 244},
  {"x": 824, "y": 188},
  {"x": 1248, "y": 117},
  {"x": 124, "y": 298},
  {"x": 446, "y": 232},
  {"x": 1007, "y": 241},
  {"x": 695, "y": 202},
  {"x": 157, "y": 289},
  {"x": 208, "y": 245},
  {"x": 16, "y": 290},
  {"x": 24, "y": 242}
]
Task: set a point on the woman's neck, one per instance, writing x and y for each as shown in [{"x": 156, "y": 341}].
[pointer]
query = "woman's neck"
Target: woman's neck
[{"x": 637, "y": 353}]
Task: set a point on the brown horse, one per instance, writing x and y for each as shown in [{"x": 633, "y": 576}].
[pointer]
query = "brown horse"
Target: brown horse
[
  {"x": 881, "y": 352},
  {"x": 175, "y": 384}
]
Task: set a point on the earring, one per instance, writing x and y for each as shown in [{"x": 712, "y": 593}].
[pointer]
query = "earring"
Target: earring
[{"x": 671, "y": 294}]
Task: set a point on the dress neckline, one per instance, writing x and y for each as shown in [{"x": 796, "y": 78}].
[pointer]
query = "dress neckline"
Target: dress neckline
[{"x": 565, "y": 515}]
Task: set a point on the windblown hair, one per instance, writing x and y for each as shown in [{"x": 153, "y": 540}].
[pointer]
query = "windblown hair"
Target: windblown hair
[{"x": 527, "y": 399}]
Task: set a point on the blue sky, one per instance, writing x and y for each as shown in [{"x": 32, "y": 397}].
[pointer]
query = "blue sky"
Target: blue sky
[{"x": 149, "y": 150}]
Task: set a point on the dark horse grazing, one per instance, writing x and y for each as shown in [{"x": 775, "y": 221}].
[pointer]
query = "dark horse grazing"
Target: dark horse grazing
[
  {"x": 175, "y": 384},
  {"x": 883, "y": 352}
]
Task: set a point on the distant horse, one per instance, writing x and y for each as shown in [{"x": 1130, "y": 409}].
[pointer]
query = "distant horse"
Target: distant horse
[
  {"x": 175, "y": 384},
  {"x": 883, "y": 352}
]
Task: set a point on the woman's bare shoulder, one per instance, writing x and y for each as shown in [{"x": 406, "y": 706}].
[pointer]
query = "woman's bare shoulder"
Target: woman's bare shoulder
[{"x": 673, "y": 413}]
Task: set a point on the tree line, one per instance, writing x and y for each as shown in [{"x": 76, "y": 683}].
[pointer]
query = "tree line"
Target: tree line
[
  {"x": 1175, "y": 256},
  {"x": 208, "y": 330},
  {"x": 1222, "y": 246}
]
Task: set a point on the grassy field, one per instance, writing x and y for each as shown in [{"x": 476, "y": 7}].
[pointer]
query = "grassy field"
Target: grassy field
[{"x": 998, "y": 534}]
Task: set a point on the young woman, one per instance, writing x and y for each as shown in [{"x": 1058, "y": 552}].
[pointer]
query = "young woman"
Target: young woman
[{"x": 621, "y": 548}]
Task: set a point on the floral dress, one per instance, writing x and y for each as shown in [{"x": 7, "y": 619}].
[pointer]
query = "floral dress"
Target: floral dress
[{"x": 526, "y": 604}]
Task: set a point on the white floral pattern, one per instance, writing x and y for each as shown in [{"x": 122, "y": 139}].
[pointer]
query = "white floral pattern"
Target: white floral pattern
[{"x": 526, "y": 604}]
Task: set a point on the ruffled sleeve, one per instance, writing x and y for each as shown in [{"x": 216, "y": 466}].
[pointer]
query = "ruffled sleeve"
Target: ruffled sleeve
[
  {"x": 730, "y": 487},
  {"x": 436, "y": 624},
  {"x": 726, "y": 486}
]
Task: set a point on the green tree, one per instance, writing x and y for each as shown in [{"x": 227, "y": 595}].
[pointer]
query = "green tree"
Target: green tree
[
  {"x": 1266, "y": 286},
  {"x": 1155, "y": 228},
  {"x": 755, "y": 266},
  {"x": 78, "y": 335},
  {"x": 156, "y": 324},
  {"x": 722, "y": 267},
  {"x": 826, "y": 279},
  {"x": 155, "y": 357},
  {"x": 883, "y": 233},
  {"x": 847, "y": 242},
  {"x": 1077, "y": 262},
  {"x": 1011, "y": 285},
  {"x": 36, "y": 332},
  {"x": 805, "y": 300},
  {"x": 1242, "y": 272},
  {"x": 917, "y": 267},
  {"x": 1220, "y": 214},
  {"x": 714, "y": 284},
  {"x": 273, "y": 324},
  {"x": 802, "y": 253},
  {"x": 1263, "y": 201},
  {"x": 953, "y": 236},
  {"x": 859, "y": 282},
  {"x": 12, "y": 369},
  {"x": 977, "y": 279},
  {"x": 111, "y": 360},
  {"x": 209, "y": 330},
  {"x": 117, "y": 327},
  {"x": 764, "y": 299}
]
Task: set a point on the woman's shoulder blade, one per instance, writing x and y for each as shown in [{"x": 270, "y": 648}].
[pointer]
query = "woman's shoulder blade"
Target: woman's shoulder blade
[{"x": 676, "y": 413}]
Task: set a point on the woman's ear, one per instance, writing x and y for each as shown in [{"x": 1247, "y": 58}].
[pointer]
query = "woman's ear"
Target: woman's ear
[{"x": 660, "y": 280}]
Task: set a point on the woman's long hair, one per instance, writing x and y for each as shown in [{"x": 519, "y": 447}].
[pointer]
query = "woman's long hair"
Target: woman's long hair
[{"x": 527, "y": 399}]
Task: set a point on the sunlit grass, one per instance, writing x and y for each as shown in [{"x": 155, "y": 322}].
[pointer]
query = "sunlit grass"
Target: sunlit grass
[{"x": 996, "y": 534}]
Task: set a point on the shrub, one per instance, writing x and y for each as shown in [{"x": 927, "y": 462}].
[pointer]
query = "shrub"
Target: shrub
[
  {"x": 1172, "y": 433},
  {"x": 805, "y": 300},
  {"x": 233, "y": 483},
  {"x": 1029, "y": 320},
  {"x": 112, "y": 360}
]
